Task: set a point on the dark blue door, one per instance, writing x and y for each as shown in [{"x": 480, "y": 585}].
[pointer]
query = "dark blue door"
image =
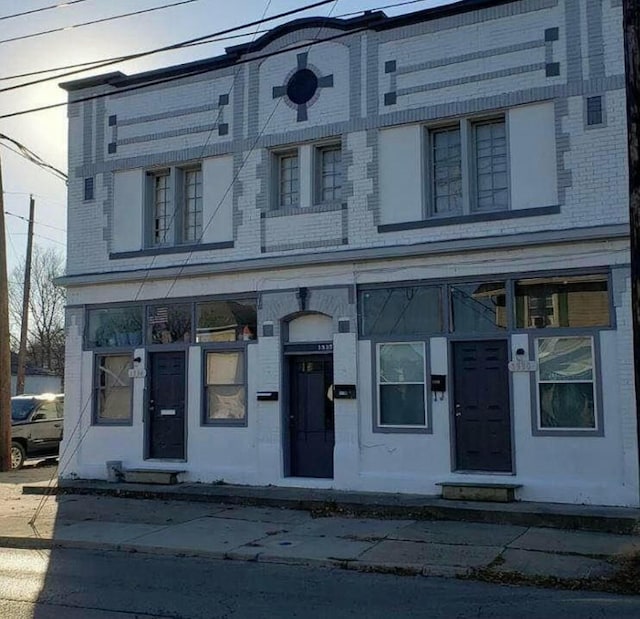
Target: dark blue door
[
  {"x": 481, "y": 406},
  {"x": 311, "y": 416},
  {"x": 167, "y": 406}
]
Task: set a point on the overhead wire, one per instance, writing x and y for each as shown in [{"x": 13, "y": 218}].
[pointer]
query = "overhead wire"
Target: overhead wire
[
  {"x": 38, "y": 223},
  {"x": 29, "y": 155},
  {"x": 42, "y": 9},
  {"x": 86, "y": 66},
  {"x": 183, "y": 75},
  {"x": 95, "y": 21},
  {"x": 186, "y": 43}
]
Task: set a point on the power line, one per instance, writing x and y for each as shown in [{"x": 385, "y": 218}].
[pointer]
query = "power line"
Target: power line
[
  {"x": 182, "y": 44},
  {"x": 29, "y": 155},
  {"x": 87, "y": 66},
  {"x": 39, "y": 223},
  {"x": 44, "y": 8},
  {"x": 95, "y": 21},
  {"x": 192, "y": 73}
]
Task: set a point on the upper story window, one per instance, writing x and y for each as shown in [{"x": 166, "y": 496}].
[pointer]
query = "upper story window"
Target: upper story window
[
  {"x": 329, "y": 173},
  {"x": 307, "y": 175},
  {"x": 288, "y": 179},
  {"x": 175, "y": 204},
  {"x": 490, "y": 165},
  {"x": 446, "y": 171},
  {"x": 467, "y": 167}
]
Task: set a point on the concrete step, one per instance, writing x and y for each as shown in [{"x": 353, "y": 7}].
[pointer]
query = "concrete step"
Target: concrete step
[
  {"x": 469, "y": 491},
  {"x": 151, "y": 476}
]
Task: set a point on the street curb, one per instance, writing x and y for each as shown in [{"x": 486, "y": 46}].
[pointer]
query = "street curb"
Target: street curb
[{"x": 625, "y": 521}]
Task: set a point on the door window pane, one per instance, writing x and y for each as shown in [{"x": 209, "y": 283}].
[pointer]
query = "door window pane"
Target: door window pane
[
  {"x": 168, "y": 324},
  {"x": 479, "y": 308},
  {"x": 406, "y": 310},
  {"x": 226, "y": 321},
  {"x": 113, "y": 389},
  {"x": 225, "y": 386},
  {"x": 401, "y": 384},
  {"x": 563, "y": 302}
]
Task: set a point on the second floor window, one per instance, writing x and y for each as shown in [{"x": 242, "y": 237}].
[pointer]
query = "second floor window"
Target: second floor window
[
  {"x": 176, "y": 206},
  {"x": 288, "y": 179},
  {"x": 467, "y": 169},
  {"x": 329, "y": 174},
  {"x": 193, "y": 205}
]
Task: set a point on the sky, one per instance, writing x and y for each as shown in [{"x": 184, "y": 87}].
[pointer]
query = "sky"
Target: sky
[{"x": 45, "y": 132}]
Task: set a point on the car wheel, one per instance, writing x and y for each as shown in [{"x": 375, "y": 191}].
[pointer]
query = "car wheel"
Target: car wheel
[{"x": 18, "y": 456}]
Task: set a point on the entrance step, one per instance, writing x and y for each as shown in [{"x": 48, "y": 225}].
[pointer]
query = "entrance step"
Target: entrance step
[
  {"x": 469, "y": 491},
  {"x": 150, "y": 476}
]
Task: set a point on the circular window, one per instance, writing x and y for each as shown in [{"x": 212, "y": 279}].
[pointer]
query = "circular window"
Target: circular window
[{"x": 302, "y": 86}]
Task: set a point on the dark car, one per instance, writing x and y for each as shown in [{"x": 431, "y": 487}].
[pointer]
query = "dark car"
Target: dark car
[{"x": 36, "y": 427}]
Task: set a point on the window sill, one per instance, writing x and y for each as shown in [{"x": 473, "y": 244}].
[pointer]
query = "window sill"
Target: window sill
[
  {"x": 568, "y": 432},
  {"x": 224, "y": 424},
  {"x": 305, "y": 210},
  {"x": 434, "y": 222},
  {"x": 174, "y": 249},
  {"x": 402, "y": 430}
]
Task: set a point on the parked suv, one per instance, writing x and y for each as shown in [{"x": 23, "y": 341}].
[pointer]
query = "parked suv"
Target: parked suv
[{"x": 36, "y": 426}]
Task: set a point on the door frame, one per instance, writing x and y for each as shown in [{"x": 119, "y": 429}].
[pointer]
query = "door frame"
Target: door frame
[
  {"x": 287, "y": 356},
  {"x": 452, "y": 340},
  {"x": 146, "y": 417}
]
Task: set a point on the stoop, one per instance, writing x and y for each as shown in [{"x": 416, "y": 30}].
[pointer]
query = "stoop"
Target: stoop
[
  {"x": 469, "y": 491},
  {"x": 150, "y": 476}
]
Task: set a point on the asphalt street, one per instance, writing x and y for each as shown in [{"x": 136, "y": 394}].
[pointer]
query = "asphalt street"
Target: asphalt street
[{"x": 79, "y": 584}]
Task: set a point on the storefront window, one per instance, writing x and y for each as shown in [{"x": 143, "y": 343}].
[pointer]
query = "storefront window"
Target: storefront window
[
  {"x": 562, "y": 302},
  {"x": 113, "y": 389},
  {"x": 226, "y": 321},
  {"x": 566, "y": 394},
  {"x": 401, "y": 384},
  {"x": 225, "y": 387},
  {"x": 479, "y": 308},
  {"x": 169, "y": 324},
  {"x": 114, "y": 327},
  {"x": 405, "y": 310}
]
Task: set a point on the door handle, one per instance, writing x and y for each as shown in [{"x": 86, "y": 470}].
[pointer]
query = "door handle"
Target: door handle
[{"x": 458, "y": 410}]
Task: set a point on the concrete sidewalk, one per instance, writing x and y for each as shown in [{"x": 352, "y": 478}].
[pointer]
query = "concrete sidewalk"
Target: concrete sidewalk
[{"x": 499, "y": 552}]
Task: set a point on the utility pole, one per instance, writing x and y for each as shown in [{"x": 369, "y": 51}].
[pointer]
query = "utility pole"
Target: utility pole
[
  {"x": 24, "y": 323},
  {"x": 631, "y": 21},
  {"x": 5, "y": 350}
]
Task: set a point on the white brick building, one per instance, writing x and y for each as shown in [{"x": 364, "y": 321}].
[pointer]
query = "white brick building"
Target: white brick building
[{"x": 376, "y": 254}]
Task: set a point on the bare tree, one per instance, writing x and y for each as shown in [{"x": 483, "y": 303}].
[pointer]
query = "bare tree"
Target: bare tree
[{"x": 45, "y": 341}]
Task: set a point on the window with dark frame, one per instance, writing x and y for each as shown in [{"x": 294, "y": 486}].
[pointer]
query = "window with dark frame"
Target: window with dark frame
[
  {"x": 288, "y": 179},
  {"x": 88, "y": 188},
  {"x": 594, "y": 111},
  {"x": 566, "y": 383},
  {"x": 329, "y": 173},
  {"x": 446, "y": 171},
  {"x": 490, "y": 165},
  {"x": 225, "y": 387},
  {"x": 192, "y": 204},
  {"x": 162, "y": 208},
  {"x": 401, "y": 378},
  {"x": 113, "y": 389}
]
